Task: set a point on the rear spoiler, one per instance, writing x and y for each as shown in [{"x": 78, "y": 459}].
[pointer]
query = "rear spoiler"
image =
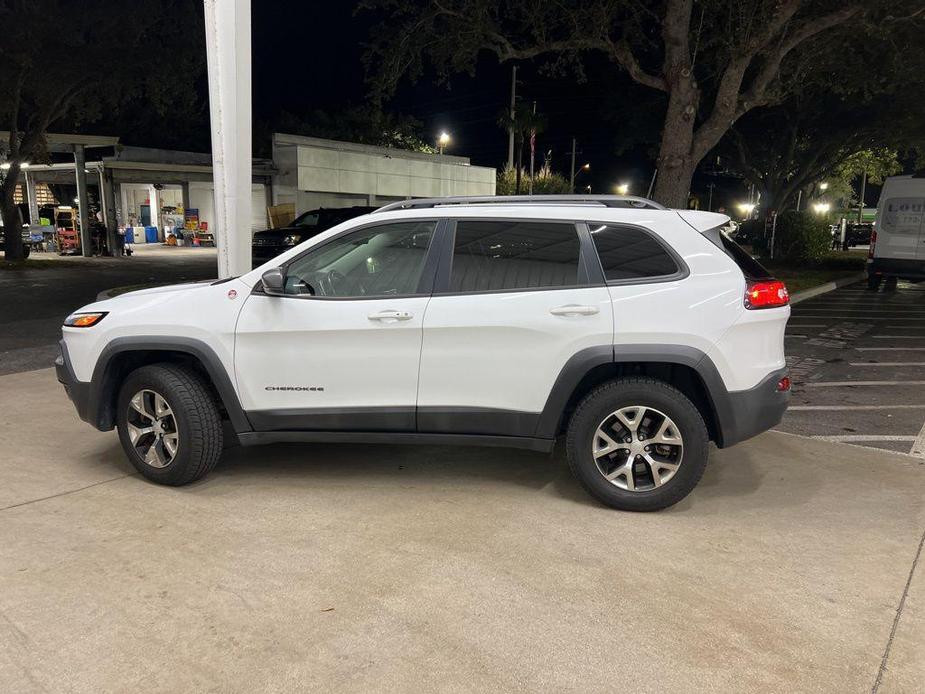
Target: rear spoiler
[{"x": 703, "y": 221}]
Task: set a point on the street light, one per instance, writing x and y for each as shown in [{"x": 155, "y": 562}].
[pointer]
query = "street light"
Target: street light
[
  {"x": 623, "y": 188},
  {"x": 6, "y": 165},
  {"x": 746, "y": 208},
  {"x": 821, "y": 207},
  {"x": 443, "y": 141},
  {"x": 823, "y": 186}
]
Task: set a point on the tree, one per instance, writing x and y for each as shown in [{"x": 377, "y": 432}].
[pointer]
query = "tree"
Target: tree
[
  {"x": 63, "y": 68},
  {"x": 713, "y": 65},
  {"x": 524, "y": 122},
  {"x": 366, "y": 124},
  {"x": 836, "y": 124}
]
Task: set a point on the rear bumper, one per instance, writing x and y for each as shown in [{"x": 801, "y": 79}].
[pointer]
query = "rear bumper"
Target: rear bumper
[
  {"x": 748, "y": 413},
  {"x": 77, "y": 391},
  {"x": 903, "y": 268}
]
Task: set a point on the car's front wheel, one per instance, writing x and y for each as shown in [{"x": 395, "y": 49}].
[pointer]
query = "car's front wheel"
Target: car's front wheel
[
  {"x": 169, "y": 424},
  {"x": 637, "y": 444}
]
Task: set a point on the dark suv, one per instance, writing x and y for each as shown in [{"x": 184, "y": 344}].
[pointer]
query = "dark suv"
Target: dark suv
[{"x": 270, "y": 243}]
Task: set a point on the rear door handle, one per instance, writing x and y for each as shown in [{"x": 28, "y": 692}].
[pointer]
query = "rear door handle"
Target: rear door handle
[
  {"x": 574, "y": 310},
  {"x": 388, "y": 316}
]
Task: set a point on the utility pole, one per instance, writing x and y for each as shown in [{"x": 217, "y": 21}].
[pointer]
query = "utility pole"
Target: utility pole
[
  {"x": 532, "y": 151},
  {"x": 863, "y": 191},
  {"x": 510, "y": 131},
  {"x": 573, "y": 165}
]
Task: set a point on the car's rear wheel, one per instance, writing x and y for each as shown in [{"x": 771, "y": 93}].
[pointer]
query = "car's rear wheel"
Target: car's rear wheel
[
  {"x": 637, "y": 444},
  {"x": 169, "y": 424},
  {"x": 873, "y": 281}
]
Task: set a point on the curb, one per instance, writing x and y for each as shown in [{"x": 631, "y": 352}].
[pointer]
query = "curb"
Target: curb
[
  {"x": 106, "y": 294},
  {"x": 827, "y": 287}
]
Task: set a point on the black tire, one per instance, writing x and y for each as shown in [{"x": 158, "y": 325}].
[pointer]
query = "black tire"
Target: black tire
[
  {"x": 648, "y": 392},
  {"x": 196, "y": 417},
  {"x": 873, "y": 281}
]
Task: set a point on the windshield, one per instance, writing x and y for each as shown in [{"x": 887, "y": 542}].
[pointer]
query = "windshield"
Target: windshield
[{"x": 307, "y": 219}]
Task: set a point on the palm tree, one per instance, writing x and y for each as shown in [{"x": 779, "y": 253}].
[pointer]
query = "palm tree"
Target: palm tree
[{"x": 524, "y": 121}]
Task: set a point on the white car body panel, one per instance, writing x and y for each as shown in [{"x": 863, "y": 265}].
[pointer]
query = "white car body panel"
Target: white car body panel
[
  {"x": 505, "y": 350},
  {"x": 329, "y": 344}
]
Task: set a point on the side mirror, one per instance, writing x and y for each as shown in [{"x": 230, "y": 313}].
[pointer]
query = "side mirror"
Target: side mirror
[{"x": 274, "y": 281}]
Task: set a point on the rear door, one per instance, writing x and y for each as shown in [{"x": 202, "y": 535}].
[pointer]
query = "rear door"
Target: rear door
[
  {"x": 514, "y": 301},
  {"x": 900, "y": 233}
]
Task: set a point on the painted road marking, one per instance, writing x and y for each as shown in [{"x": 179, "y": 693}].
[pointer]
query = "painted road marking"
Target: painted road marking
[
  {"x": 838, "y": 384},
  {"x": 901, "y": 327},
  {"x": 797, "y": 337},
  {"x": 898, "y": 337},
  {"x": 886, "y": 363},
  {"x": 809, "y": 325},
  {"x": 848, "y": 438},
  {"x": 839, "y": 408},
  {"x": 890, "y": 349},
  {"x": 918, "y": 446}
]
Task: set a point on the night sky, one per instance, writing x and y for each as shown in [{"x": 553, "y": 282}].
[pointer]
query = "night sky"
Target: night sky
[{"x": 318, "y": 65}]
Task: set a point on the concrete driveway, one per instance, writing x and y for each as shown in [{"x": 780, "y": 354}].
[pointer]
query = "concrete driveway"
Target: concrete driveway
[{"x": 360, "y": 568}]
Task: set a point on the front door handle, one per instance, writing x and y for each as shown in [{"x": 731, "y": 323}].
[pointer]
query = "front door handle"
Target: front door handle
[
  {"x": 574, "y": 310},
  {"x": 389, "y": 316}
]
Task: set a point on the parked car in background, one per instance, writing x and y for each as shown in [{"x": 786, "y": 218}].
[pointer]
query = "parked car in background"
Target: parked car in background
[
  {"x": 26, "y": 241},
  {"x": 635, "y": 333},
  {"x": 897, "y": 244},
  {"x": 271, "y": 242}
]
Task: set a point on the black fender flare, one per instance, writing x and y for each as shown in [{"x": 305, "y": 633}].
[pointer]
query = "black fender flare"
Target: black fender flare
[
  {"x": 584, "y": 361},
  {"x": 101, "y": 386}
]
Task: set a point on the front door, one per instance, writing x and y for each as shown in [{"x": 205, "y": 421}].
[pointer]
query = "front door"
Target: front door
[{"x": 341, "y": 349}]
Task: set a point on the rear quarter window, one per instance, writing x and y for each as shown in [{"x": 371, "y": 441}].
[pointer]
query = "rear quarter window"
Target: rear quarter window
[{"x": 630, "y": 253}]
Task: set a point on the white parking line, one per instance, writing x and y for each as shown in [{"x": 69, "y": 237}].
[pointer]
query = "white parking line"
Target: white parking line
[
  {"x": 864, "y": 437},
  {"x": 918, "y": 446},
  {"x": 809, "y": 325},
  {"x": 898, "y": 337},
  {"x": 839, "y": 408},
  {"x": 838, "y": 384},
  {"x": 901, "y": 327},
  {"x": 890, "y": 349},
  {"x": 796, "y": 337},
  {"x": 886, "y": 363}
]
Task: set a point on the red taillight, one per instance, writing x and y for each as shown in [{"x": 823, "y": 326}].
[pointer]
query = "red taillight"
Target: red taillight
[
  {"x": 783, "y": 385},
  {"x": 766, "y": 294},
  {"x": 873, "y": 242}
]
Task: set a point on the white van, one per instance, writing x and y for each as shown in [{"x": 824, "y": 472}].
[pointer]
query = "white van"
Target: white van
[{"x": 897, "y": 245}]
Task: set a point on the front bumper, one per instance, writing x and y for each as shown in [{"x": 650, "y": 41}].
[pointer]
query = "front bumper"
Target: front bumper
[
  {"x": 753, "y": 411},
  {"x": 77, "y": 391}
]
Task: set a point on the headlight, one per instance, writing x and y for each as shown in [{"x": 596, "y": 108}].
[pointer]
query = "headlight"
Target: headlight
[
  {"x": 84, "y": 320},
  {"x": 290, "y": 241}
]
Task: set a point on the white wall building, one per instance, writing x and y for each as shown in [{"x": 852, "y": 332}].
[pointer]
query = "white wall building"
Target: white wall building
[{"x": 311, "y": 173}]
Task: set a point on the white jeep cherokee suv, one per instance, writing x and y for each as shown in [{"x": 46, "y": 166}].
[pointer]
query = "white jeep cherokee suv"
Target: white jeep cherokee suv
[{"x": 640, "y": 333}]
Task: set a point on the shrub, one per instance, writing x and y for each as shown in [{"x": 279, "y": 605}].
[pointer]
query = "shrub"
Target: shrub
[
  {"x": 802, "y": 237},
  {"x": 544, "y": 183}
]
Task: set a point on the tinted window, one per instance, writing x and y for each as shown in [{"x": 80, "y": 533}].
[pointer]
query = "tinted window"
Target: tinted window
[
  {"x": 384, "y": 260},
  {"x": 494, "y": 256},
  {"x": 628, "y": 253},
  {"x": 750, "y": 267}
]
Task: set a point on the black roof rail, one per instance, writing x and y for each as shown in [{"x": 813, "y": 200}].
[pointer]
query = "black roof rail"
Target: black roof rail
[{"x": 628, "y": 201}]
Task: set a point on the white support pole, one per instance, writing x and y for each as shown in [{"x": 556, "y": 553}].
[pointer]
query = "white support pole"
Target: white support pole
[
  {"x": 228, "y": 50},
  {"x": 83, "y": 211},
  {"x": 31, "y": 199}
]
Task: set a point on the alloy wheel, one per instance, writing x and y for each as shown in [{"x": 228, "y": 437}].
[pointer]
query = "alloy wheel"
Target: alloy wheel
[
  {"x": 637, "y": 448},
  {"x": 152, "y": 428}
]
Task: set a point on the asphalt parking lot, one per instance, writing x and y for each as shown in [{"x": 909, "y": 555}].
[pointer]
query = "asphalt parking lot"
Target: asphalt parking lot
[
  {"x": 36, "y": 300},
  {"x": 791, "y": 568},
  {"x": 857, "y": 359}
]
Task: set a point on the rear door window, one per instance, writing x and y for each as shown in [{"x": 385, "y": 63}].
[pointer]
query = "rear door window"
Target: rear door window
[
  {"x": 630, "y": 253},
  {"x": 509, "y": 255}
]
